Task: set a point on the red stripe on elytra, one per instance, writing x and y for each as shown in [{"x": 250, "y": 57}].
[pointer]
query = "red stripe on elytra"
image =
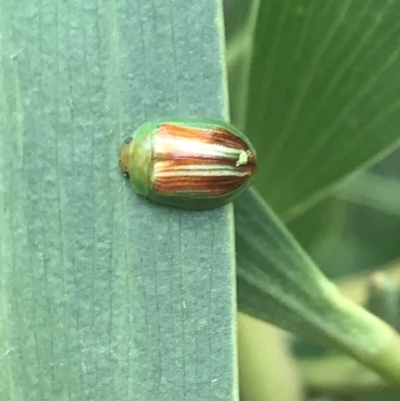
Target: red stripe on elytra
[
  {"x": 206, "y": 185},
  {"x": 212, "y": 135}
]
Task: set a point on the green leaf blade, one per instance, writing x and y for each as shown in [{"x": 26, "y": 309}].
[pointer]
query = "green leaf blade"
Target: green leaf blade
[
  {"x": 104, "y": 295},
  {"x": 323, "y": 95},
  {"x": 279, "y": 283}
]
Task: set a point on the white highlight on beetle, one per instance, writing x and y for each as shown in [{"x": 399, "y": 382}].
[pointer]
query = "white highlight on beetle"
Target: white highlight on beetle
[
  {"x": 193, "y": 147},
  {"x": 162, "y": 169}
]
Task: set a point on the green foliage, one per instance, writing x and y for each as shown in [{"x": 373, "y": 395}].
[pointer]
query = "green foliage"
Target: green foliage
[
  {"x": 278, "y": 282},
  {"x": 321, "y": 95},
  {"x": 104, "y": 295},
  {"x": 315, "y": 86}
]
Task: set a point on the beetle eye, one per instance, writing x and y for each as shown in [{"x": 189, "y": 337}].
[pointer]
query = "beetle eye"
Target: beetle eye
[
  {"x": 128, "y": 140},
  {"x": 126, "y": 175}
]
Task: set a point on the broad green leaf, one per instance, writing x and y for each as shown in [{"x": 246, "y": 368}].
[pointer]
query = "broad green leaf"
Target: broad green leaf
[
  {"x": 280, "y": 284},
  {"x": 104, "y": 296},
  {"x": 323, "y": 94}
]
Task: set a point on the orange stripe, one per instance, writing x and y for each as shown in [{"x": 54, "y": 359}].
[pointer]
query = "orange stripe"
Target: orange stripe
[
  {"x": 214, "y": 135},
  {"x": 210, "y": 185}
]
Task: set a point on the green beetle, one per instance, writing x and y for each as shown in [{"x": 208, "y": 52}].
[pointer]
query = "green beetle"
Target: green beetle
[{"x": 188, "y": 162}]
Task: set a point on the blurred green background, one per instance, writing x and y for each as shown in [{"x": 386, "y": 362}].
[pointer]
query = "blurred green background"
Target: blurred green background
[{"x": 316, "y": 86}]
